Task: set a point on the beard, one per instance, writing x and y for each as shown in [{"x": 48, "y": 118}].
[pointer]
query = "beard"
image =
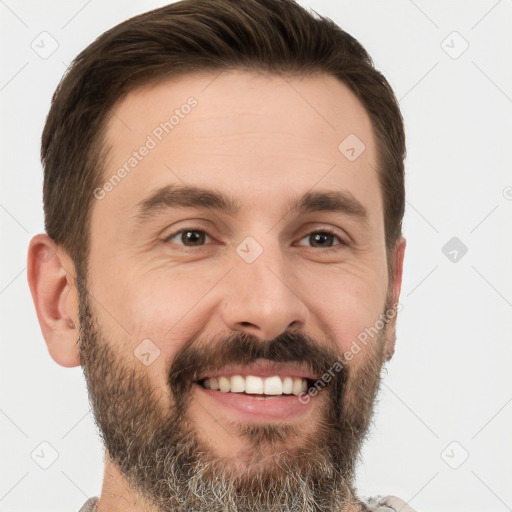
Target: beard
[{"x": 157, "y": 449}]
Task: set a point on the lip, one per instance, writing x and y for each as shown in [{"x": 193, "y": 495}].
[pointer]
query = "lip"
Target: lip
[
  {"x": 262, "y": 369},
  {"x": 259, "y": 408}
]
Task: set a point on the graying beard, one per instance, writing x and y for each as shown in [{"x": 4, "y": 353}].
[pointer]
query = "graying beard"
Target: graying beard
[{"x": 209, "y": 487}]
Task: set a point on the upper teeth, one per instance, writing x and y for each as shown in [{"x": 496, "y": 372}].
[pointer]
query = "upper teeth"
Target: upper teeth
[{"x": 256, "y": 385}]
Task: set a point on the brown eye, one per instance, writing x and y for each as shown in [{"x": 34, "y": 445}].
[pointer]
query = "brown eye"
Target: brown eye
[
  {"x": 188, "y": 237},
  {"x": 322, "y": 239}
]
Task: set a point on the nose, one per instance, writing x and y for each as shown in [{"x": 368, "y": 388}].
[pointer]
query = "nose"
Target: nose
[{"x": 261, "y": 300}]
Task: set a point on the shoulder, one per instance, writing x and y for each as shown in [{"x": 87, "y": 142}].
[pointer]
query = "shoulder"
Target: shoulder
[
  {"x": 388, "y": 504},
  {"x": 89, "y": 505}
]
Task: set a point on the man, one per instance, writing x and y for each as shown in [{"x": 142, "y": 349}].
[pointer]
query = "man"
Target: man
[{"x": 223, "y": 195}]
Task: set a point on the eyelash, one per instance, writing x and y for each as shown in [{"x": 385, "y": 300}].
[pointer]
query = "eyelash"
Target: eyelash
[{"x": 322, "y": 231}]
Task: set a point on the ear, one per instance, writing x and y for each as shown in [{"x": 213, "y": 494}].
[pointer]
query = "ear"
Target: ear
[
  {"x": 395, "y": 287},
  {"x": 51, "y": 277}
]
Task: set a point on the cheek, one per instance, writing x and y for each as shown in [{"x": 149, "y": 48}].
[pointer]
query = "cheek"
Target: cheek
[
  {"x": 150, "y": 298},
  {"x": 347, "y": 301},
  {"x": 161, "y": 310}
]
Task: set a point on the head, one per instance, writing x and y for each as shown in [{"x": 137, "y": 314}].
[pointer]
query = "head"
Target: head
[{"x": 223, "y": 196}]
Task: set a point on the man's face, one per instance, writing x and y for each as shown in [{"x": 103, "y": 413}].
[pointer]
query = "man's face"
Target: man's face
[{"x": 185, "y": 294}]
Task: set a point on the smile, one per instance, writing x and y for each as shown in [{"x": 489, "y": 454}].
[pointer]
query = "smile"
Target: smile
[
  {"x": 259, "y": 392},
  {"x": 254, "y": 385}
]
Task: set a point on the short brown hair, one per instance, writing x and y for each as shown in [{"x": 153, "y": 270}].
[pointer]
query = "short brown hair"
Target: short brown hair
[{"x": 274, "y": 36}]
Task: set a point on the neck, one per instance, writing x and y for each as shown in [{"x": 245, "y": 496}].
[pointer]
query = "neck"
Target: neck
[{"x": 117, "y": 495}]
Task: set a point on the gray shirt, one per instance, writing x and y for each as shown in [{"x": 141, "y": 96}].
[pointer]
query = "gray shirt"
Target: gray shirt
[{"x": 378, "y": 504}]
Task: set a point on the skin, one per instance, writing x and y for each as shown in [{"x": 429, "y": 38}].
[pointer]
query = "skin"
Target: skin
[{"x": 262, "y": 140}]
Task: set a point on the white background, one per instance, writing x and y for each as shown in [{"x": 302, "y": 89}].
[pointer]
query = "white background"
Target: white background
[{"x": 450, "y": 378}]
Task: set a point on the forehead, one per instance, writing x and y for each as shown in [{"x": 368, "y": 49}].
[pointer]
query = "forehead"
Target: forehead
[{"x": 261, "y": 138}]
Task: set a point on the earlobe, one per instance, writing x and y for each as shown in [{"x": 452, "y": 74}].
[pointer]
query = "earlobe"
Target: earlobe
[{"x": 51, "y": 277}]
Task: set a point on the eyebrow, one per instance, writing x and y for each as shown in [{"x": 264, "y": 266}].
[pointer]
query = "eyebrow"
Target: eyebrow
[{"x": 188, "y": 196}]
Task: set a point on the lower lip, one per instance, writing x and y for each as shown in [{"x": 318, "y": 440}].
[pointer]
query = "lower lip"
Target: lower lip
[{"x": 256, "y": 408}]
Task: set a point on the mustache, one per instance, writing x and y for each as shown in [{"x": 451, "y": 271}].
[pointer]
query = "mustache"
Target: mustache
[{"x": 240, "y": 348}]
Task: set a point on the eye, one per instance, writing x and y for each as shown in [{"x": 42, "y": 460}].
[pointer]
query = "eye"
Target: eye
[
  {"x": 322, "y": 239},
  {"x": 189, "y": 237}
]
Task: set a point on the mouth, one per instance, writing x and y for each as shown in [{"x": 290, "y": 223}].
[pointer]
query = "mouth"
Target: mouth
[{"x": 260, "y": 392}]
